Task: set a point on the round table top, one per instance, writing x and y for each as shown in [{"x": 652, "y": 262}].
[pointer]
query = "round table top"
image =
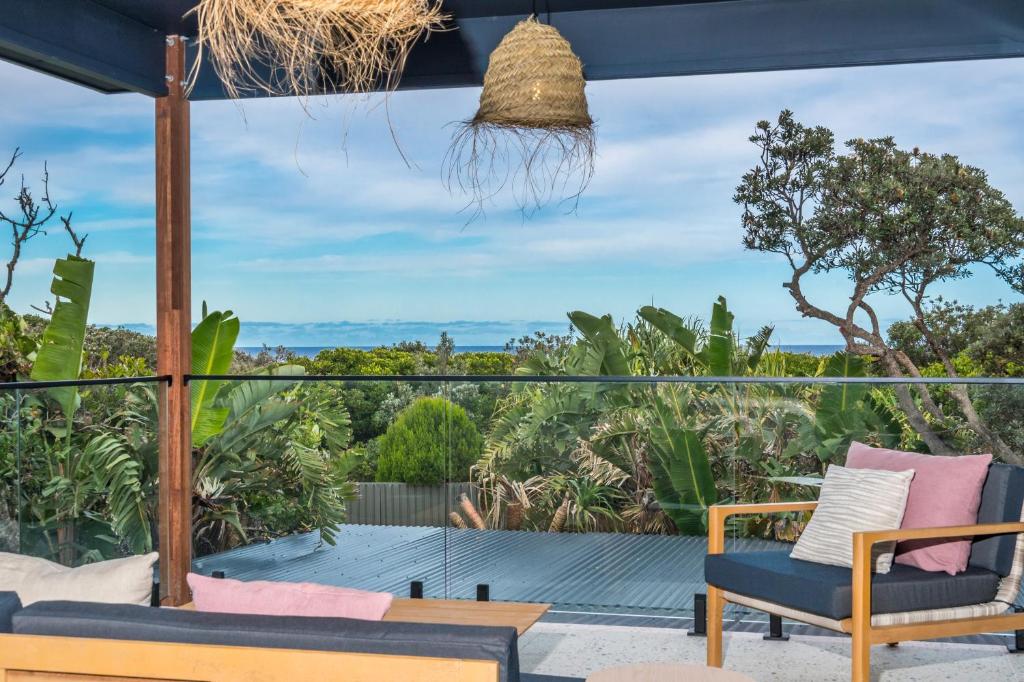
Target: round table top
[{"x": 667, "y": 672}]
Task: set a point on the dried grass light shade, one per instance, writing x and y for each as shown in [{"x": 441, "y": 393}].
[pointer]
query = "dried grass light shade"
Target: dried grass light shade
[
  {"x": 313, "y": 45},
  {"x": 532, "y": 132}
]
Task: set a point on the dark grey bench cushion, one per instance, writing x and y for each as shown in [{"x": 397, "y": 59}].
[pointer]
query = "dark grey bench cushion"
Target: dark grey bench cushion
[
  {"x": 9, "y": 604},
  {"x": 1001, "y": 501},
  {"x": 125, "y": 621},
  {"x": 826, "y": 590}
]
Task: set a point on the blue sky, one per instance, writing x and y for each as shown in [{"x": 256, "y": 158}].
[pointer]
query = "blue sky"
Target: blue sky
[{"x": 333, "y": 237}]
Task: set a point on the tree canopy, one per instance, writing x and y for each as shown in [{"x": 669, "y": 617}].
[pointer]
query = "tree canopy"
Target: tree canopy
[{"x": 892, "y": 221}]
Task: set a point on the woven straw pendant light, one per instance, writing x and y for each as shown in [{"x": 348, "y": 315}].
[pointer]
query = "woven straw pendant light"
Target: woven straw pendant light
[
  {"x": 533, "y": 130},
  {"x": 306, "y": 47}
]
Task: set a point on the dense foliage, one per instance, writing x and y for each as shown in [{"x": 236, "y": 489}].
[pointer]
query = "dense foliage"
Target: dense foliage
[
  {"x": 986, "y": 341},
  {"x": 645, "y": 457},
  {"x": 431, "y": 441}
]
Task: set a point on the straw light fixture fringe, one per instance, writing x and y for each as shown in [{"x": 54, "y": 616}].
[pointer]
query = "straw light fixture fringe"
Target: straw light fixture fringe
[
  {"x": 532, "y": 132},
  {"x": 307, "y": 47}
]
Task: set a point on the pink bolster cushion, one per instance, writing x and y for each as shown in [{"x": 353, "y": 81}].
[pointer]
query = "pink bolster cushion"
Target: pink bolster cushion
[
  {"x": 223, "y": 595},
  {"x": 946, "y": 491}
]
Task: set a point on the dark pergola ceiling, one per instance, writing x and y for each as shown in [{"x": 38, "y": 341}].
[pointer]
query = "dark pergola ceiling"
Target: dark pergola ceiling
[{"x": 118, "y": 45}]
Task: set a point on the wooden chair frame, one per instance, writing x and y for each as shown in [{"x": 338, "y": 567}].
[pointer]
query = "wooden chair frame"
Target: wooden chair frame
[
  {"x": 32, "y": 658},
  {"x": 859, "y": 626}
]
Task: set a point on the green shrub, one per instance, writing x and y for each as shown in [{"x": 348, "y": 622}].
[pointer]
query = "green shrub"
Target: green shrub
[
  {"x": 428, "y": 434},
  {"x": 378, "y": 361}
]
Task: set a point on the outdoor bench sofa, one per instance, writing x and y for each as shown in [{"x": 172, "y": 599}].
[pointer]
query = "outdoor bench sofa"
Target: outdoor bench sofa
[
  {"x": 905, "y": 604},
  {"x": 62, "y": 641}
]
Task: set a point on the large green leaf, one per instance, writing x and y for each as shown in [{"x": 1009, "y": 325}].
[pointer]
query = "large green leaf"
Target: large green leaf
[
  {"x": 684, "y": 484},
  {"x": 603, "y": 343},
  {"x": 718, "y": 354},
  {"x": 213, "y": 343},
  {"x": 841, "y": 402},
  {"x": 60, "y": 351},
  {"x": 672, "y": 326},
  {"x": 245, "y": 395}
]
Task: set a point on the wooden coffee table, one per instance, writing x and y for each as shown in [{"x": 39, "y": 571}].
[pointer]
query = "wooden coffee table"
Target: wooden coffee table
[
  {"x": 521, "y": 616},
  {"x": 667, "y": 672}
]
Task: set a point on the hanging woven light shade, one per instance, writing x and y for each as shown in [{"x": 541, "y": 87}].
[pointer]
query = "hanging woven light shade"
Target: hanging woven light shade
[
  {"x": 533, "y": 129},
  {"x": 305, "y": 47}
]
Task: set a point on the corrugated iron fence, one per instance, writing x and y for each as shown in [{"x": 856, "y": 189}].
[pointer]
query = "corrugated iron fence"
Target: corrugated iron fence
[{"x": 400, "y": 504}]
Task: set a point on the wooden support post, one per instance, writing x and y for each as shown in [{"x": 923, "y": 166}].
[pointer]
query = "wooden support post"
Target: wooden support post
[
  {"x": 173, "y": 326},
  {"x": 860, "y": 658}
]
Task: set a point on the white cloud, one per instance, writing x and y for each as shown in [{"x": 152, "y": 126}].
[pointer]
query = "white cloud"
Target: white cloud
[{"x": 277, "y": 196}]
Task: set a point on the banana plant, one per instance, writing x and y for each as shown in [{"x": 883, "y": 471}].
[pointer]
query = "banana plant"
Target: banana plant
[
  {"x": 684, "y": 484},
  {"x": 260, "y": 434},
  {"x": 544, "y": 424},
  {"x": 277, "y": 435},
  {"x": 603, "y": 352},
  {"x": 717, "y": 355},
  {"x": 674, "y": 327},
  {"x": 87, "y": 474},
  {"x": 721, "y": 354}
]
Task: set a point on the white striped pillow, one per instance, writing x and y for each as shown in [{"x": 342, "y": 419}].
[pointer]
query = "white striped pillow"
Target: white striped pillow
[{"x": 854, "y": 500}]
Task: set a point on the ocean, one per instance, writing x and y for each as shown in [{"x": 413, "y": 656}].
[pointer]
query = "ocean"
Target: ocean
[{"x": 311, "y": 351}]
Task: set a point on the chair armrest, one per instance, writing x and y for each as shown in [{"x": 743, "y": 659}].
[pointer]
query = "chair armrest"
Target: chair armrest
[
  {"x": 873, "y": 536},
  {"x": 718, "y": 513},
  {"x": 864, "y": 540}
]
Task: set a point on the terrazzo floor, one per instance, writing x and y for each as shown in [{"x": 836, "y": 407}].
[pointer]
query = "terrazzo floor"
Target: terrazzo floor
[{"x": 578, "y": 650}]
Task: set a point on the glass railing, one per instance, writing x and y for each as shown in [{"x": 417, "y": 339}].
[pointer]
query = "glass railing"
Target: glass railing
[
  {"x": 78, "y": 463},
  {"x": 588, "y": 493}
]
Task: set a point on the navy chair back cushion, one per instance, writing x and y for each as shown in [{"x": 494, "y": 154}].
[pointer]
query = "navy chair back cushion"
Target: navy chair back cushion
[{"x": 1001, "y": 500}]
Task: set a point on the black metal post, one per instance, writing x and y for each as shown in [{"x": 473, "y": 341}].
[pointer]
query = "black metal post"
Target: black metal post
[
  {"x": 416, "y": 589},
  {"x": 700, "y": 616},
  {"x": 1018, "y": 636},
  {"x": 483, "y": 592},
  {"x": 775, "y": 629}
]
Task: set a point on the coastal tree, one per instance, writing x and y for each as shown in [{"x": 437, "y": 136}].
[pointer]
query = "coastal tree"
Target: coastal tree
[{"x": 892, "y": 221}]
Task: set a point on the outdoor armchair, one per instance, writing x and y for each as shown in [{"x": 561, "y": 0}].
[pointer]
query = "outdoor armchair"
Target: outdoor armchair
[{"x": 904, "y": 604}]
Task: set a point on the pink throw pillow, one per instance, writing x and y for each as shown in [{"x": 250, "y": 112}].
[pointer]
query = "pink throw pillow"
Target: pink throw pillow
[
  {"x": 946, "y": 491},
  {"x": 223, "y": 595}
]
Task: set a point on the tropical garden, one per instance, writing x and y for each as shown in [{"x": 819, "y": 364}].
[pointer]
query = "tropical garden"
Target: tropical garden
[{"x": 632, "y": 426}]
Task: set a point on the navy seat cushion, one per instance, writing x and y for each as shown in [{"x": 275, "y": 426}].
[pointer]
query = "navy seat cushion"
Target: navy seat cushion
[
  {"x": 826, "y": 590},
  {"x": 132, "y": 622},
  {"x": 1001, "y": 500},
  {"x": 9, "y": 604}
]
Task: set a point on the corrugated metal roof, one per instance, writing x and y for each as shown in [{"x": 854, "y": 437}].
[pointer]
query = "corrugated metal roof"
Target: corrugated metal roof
[{"x": 618, "y": 572}]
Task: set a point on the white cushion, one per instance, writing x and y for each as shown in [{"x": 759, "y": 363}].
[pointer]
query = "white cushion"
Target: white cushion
[
  {"x": 117, "y": 581},
  {"x": 854, "y": 500}
]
